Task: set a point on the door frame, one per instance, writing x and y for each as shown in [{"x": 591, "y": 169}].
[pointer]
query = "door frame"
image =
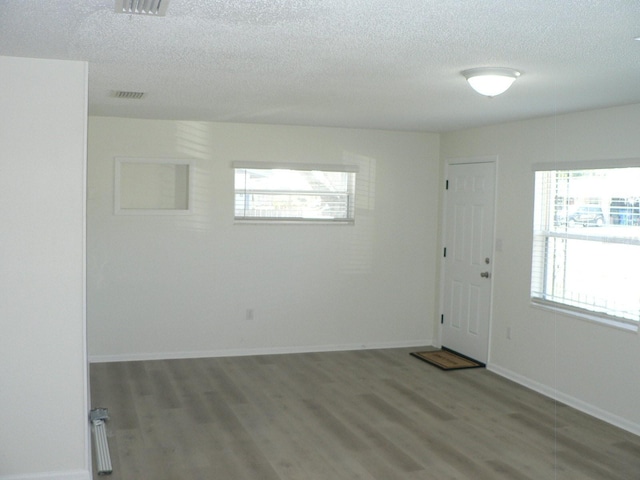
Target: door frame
[{"x": 443, "y": 234}]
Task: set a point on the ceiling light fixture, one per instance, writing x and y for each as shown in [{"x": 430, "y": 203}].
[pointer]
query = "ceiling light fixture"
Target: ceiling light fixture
[{"x": 491, "y": 81}]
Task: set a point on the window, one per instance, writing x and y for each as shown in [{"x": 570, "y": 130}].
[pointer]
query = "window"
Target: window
[
  {"x": 586, "y": 242},
  {"x": 294, "y": 193}
]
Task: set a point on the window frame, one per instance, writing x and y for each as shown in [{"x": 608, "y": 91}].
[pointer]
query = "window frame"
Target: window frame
[
  {"x": 302, "y": 167},
  {"x": 538, "y": 263}
]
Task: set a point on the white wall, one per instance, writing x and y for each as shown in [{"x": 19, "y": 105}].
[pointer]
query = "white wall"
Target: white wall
[
  {"x": 588, "y": 365},
  {"x": 43, "y": 378},
  {"x": 174, "y": 286}
]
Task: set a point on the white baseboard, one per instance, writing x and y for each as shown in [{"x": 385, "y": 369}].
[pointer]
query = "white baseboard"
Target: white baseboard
[
  {"x": 128, "y": 357},
  {"x": 567, "y": 400},
  {"x": 73, "y": 475}
]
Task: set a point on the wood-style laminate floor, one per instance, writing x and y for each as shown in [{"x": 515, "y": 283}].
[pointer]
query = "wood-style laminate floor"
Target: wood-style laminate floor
[{"x": 370, "y": 415}]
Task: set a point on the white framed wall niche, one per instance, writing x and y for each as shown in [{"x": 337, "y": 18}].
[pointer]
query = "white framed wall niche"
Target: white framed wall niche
[{"x": 153, "y": 186}]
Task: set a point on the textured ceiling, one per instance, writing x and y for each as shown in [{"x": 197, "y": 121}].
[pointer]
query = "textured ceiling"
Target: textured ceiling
[{"x": 390, "y": 64}]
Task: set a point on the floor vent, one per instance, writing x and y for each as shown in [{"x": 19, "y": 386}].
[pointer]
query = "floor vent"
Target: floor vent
[
  {"x": 128, "y": 95},
  {"x": 155, "y": 8}
]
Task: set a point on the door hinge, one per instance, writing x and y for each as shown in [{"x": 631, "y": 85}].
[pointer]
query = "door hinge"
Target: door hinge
[
  {"x": 445, "y": 251},
  {"x": 442, "y": 319},
  {"x": 446, "y": 185}
]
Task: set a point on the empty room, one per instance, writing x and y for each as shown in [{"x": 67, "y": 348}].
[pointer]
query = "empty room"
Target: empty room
[{"x": 278, "y": 239}]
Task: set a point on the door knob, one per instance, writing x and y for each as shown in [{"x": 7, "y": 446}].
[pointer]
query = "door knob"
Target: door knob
[{"x": 484, "y": 274}]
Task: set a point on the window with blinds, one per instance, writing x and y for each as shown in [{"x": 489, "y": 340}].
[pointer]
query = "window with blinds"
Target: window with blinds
[
  {"x": 294, "y": 193},
  {"x": 586, "y": 242}
]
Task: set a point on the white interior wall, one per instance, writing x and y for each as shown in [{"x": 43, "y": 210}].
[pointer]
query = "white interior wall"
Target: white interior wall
[
  {"x": 162, "y": 286},
  {"x": 43, "y": 375},
  {"x": 588, "y": 365}
]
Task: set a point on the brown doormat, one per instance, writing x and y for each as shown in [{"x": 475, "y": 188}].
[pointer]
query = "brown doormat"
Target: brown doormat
[{"x": 447, "y": 359}]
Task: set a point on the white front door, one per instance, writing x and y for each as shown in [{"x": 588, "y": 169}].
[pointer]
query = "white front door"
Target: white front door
[{"x": 468, "y": 258}]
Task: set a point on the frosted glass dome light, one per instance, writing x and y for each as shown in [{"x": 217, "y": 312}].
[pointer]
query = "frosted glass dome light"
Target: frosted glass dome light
[{"x": 491, "y": 81}]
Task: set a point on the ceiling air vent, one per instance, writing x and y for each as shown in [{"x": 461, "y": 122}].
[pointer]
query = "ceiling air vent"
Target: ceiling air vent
[
  {"x": 129, "y": 95},
  {"x": 156, "y": 8}
]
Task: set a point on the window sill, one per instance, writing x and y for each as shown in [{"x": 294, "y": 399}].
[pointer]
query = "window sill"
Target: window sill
[
  {"x": 593, "y": 318},
  {"x": 238, "y": 221}
]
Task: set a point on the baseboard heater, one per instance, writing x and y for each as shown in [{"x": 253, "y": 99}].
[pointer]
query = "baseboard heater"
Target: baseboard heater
[{"x": 97, "y": 416}]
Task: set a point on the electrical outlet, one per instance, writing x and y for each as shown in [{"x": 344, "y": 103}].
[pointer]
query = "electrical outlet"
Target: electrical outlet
[
  {"x": 249, "y": 314},
  {"x": 508, "y": 333}
]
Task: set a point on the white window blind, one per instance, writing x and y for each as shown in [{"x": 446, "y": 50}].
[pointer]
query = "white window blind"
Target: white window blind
[
  {"x": 294, "y": 193},
  {"x": 586, "y": 244}
]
